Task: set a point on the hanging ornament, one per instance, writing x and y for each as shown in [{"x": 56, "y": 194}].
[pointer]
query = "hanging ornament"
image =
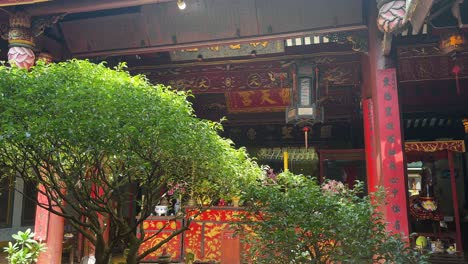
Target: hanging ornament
[
  {"x": 306, "y": 130},
  {"x": 456, "y": 70},
  {"x": 452, "y": 42},
  {"x": 465, "y": 124},
  {"x": 20, "y": 41},
  {"x": 391, "y": 16}
]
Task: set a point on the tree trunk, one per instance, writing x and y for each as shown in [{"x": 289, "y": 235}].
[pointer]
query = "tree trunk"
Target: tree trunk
[
  {"x": 103, "y": 259},
  {"x": 133, "y": 246},
  {"x": 102, "y": 251}
]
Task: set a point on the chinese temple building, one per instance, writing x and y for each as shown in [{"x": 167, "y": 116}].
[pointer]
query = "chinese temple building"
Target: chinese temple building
[{"x": 341, "y": 89}]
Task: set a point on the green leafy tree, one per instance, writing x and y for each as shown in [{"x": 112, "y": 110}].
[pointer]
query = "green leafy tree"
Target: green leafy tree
[
  {"x": 300, "y": 221},
  {"x": 87, "y": 133},
  {"x": 25, "y": 250}
]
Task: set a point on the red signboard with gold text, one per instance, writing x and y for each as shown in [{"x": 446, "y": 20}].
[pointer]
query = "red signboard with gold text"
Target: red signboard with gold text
[
  {"x": 262, "y": 100},
  {"x": 391, "y": 150}
]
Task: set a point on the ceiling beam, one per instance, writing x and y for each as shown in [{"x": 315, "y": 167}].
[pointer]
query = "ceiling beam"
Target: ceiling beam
[
  {"x": 82, "y": 6},
  {"x": 281, "y": 36}
]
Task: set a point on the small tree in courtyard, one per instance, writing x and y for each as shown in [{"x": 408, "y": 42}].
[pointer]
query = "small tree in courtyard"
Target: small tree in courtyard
[
  {"x": 86, "y": 133},
  {"x": 300, "y": 221}
]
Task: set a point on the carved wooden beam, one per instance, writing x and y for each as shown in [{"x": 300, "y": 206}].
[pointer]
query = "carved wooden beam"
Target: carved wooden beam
[
  {"x": 73, "y": 6},
  {"x": 418, "y": 11},
  {"x": 387, "y": 43},
  {"x": 133, "y": 51}
]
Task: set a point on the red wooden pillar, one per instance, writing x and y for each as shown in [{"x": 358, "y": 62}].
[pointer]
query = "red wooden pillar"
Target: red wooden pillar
[
  {"x": 370, "y": 145},
  {"x": 382, "y": 131},
  {"x": 49, "y": 229},
  {"x": 453, "y": 184}
]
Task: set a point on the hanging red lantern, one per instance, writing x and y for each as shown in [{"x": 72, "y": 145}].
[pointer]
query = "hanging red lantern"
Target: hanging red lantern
[
  {"x": 456, "y": 70},
  {"x": 306, "y": 130}
]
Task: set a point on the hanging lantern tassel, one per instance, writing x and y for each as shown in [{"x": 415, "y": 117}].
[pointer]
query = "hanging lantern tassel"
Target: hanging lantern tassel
[
  {"x": 456, "y": 70},
  {"x": 306, "y": 130}
]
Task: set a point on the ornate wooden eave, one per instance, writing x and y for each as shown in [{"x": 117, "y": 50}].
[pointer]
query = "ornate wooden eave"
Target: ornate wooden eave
[
  {"x": 320, "y": 57},
  {"x": 161, "y": 26},
  {"x": 427, "y": 62},
  {"x": 247, "y": 88},
  {"x": 163, "y": 48},
  {"x": 435, "y": 146},
  {"x": 336, "y": 69}
]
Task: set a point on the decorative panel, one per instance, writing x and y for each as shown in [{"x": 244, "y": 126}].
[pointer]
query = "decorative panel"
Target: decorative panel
[
  {"x": 233, "y": 50},
  {"x": 427, "y": 63},
  {"x": 220, "y": 77},
  {"x": 434, "y": 146},
  {"x": 223, "y": 77},
  {"x": 152, "y": 226},
  {"x": 210, "y": 237},
  {"x": 285, "y": 135}
]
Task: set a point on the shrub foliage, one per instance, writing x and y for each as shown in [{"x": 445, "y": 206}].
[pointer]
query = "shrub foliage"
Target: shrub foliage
[{"x": 300, "y": 221}]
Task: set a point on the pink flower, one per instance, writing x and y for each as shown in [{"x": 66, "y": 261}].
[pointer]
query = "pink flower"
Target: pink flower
[
  {"x": 178, "y": 189},
  {"x": 334, "y": 187}
]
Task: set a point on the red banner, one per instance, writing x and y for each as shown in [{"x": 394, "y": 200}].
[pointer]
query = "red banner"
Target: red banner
[
  {"x": 391, "y": 151},
  {"x": 263, "y": 100}
]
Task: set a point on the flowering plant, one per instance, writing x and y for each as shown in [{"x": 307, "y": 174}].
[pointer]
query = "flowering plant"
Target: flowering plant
[
  {"x": 177, "y": 189},
  {"x": 333, "y": 187}
]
